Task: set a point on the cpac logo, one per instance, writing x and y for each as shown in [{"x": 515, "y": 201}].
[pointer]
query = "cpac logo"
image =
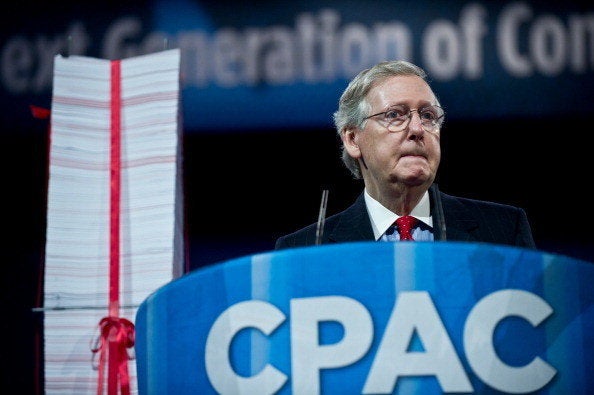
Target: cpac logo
[{"x": 413, "y": 312}]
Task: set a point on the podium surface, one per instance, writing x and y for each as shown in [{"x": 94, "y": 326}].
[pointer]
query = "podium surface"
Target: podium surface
[{"x": 373, "y": 318}]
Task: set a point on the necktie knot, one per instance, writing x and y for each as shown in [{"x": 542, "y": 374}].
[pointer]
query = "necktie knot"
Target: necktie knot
[{"x": 405, "y": 225}]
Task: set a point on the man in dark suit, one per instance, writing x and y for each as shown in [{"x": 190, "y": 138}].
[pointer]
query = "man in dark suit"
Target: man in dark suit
[{"x": 389, "y": 121}]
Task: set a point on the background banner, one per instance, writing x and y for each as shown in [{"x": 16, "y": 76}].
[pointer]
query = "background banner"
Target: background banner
[{"x": 270, "y": 65}]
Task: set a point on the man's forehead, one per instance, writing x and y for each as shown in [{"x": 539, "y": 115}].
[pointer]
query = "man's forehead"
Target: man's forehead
[{"x": 401, "y": 87}]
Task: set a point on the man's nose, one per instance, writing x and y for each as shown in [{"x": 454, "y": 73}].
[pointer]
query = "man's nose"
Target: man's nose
[{"x": 415, "y": 126}]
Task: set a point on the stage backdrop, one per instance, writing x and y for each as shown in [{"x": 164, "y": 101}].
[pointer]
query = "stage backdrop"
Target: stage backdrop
[
  {"x": 373, "y": 318},
  {"x": 249, "y": 66}
]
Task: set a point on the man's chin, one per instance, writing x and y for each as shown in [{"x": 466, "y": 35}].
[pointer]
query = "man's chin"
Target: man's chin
[{"x": 417, "y": 180}]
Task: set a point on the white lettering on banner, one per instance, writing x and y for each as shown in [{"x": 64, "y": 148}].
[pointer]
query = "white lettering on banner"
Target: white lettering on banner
[
  {"x": 249, "y": 314},
  {"x": 413, "y": 312},
  {"x": 478, "y": 345},
  {"x": 121, "y": 40},
  {"x": 26, "y": 66},
  {"x": 508, "y": 38},
  {"x": 308, "y": 357},
  {"x": 318, "y": 48},
  {"x": 448, "y": 48},
  {"x": 551, "y": 46},
  {"x": 317, "y": 38}
]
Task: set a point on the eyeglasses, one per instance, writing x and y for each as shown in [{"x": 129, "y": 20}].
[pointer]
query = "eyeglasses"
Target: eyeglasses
[{"x": 398, "y": 118}]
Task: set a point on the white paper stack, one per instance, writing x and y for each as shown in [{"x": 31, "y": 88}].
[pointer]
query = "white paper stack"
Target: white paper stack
[{"x": 76, "y": 286}]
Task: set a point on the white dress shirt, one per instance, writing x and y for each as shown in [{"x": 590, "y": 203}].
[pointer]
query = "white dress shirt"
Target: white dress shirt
[{"x": 382, "y": 220}]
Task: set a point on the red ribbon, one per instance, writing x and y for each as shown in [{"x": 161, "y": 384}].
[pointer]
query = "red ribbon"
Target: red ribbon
[
  {"x": 115, "y": 187},
  {"x": 39, "y": 112},
  {"x": 117, "y": 334}
]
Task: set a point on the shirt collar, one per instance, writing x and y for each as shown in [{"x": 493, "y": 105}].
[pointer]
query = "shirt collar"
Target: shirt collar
[{"x": 382, "y": 218}]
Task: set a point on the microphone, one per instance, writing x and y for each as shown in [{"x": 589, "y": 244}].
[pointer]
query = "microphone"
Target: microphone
[{"x": 321, "y": 217}]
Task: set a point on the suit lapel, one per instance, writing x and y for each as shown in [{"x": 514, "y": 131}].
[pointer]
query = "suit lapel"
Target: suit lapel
[
  {"x": 460, "y": 224},
  {"x": 353, "y": 224}
]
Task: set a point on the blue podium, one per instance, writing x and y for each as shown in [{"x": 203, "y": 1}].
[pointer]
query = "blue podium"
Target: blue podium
[{"x": 373, "y": 318}]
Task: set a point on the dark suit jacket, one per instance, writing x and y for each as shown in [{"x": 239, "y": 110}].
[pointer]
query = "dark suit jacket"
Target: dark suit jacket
[{"x": 465, "y": 220}]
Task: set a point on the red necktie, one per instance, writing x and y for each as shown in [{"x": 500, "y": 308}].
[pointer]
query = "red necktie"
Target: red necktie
[{"x": 405, "y": 225}]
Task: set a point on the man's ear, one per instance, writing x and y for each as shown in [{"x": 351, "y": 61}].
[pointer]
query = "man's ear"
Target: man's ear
[{"x": 349, "y": 140}]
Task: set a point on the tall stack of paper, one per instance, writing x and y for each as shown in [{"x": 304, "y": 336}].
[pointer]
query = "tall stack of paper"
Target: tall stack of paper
[{"x": 77, "y": 260}]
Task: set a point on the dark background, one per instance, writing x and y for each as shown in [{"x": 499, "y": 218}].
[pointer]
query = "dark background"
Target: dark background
[{"x": 245, "y": 188}]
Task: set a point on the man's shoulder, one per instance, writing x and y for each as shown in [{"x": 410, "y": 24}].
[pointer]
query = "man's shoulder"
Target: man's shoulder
[
  {"x": 349, "y": 224},
  {"x": 476, "y": 204},
  {"x": 306, "y": 235}
]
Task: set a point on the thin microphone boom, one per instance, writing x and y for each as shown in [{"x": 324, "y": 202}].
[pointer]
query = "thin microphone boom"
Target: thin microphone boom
[{"x": 321, "y": 217}]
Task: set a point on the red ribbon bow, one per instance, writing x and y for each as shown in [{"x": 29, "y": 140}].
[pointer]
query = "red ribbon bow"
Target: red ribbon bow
[{"x": 116, "y": 336}]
